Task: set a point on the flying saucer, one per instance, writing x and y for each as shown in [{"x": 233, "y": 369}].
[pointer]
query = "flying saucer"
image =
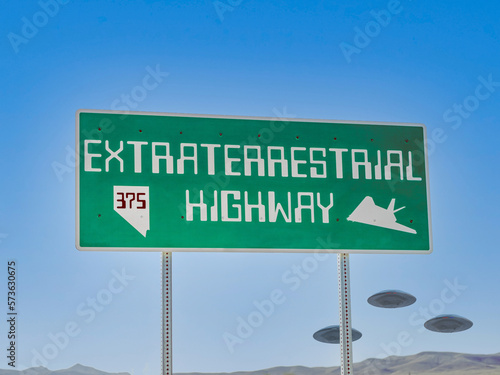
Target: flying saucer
[
  {"x": 391, "y": 299},
  {"x": 331, "y": 335},
  {"x": 448, "y": 324}
]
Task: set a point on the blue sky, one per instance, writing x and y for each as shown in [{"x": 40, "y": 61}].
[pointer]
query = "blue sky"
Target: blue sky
[{"x": 251, "y": 58}]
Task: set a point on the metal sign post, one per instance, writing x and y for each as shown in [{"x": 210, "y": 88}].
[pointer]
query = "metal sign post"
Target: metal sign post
[
  {"x": 345, "y": 314},
  {"x": 166, "y": 267}
]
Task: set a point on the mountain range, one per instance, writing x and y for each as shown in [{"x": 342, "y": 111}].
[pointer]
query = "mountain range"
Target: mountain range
[{"x": 425, "y": 363}]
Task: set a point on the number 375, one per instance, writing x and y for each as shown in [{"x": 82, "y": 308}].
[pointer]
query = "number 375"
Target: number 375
[{"x": 125, "y": 200}]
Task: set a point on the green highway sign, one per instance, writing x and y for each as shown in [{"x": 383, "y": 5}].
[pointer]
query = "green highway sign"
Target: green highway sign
[{"x": 176, "y": 182}]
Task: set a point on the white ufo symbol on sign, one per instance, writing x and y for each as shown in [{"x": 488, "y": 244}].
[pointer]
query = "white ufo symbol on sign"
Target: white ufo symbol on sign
[{"x": 368, "y": 213}]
